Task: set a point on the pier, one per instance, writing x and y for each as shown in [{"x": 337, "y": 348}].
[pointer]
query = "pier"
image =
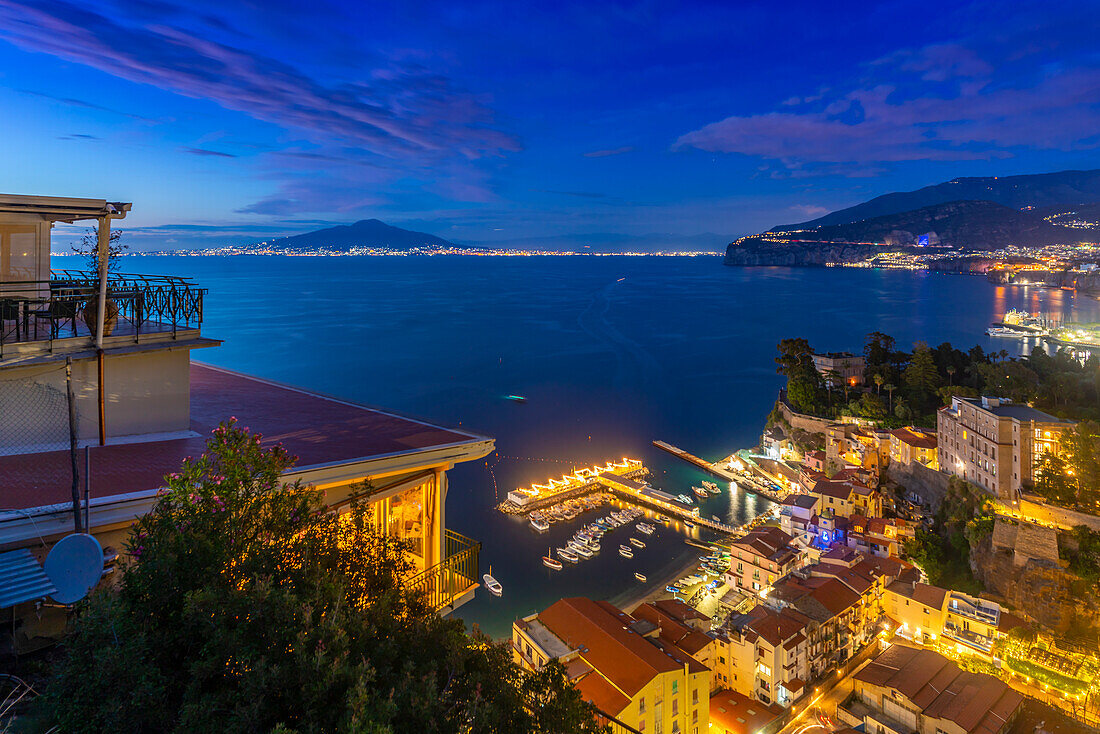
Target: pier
[
  {"x": 570, "y": 486},
  {"x": 746, "y": 483},
  {"x": 655, "y": 499}
]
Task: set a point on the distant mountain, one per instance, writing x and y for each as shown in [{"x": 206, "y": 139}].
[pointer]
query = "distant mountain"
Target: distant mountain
[
  {"x": 959, "y": 215},
  {"x": 364, "y": 233},
  {"x": 1065, "y": 188}
]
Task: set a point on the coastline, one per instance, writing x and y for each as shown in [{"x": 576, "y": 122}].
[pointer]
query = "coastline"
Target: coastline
[{"x": 631, "y": 599}]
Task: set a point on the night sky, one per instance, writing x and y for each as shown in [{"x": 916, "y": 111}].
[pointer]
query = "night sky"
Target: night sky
[{"x": 229, "y": 122}]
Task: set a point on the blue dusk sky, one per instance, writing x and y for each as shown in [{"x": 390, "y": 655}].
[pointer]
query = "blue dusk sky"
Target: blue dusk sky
[{"x": 502, "y": 121}]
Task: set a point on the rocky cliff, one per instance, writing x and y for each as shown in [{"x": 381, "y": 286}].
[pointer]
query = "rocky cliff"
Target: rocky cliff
[{"x": 1047, "y": 593}]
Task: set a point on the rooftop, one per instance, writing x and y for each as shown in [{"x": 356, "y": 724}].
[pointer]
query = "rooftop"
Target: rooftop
[
  {"x": 1012, "y": 410},
  {"x": 913, "y": 437},
  {"x": 977, "y": 702},
  {"x": 321, "y": 431},
  {"x": 737, "y": 713}
]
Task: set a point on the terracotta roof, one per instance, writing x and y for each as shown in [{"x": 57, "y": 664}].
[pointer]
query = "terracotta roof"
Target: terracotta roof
[
  {"x": 769, "y": 542},
  {"x": 597, "y": 690},
  {"x": 677, "y": 609},
  {"x": 916, "y": 439},
  {"x": 929, "y": 596},
  {"x": 673, "y": 630},
  {"x": 318, "y": 429},
  {"x": 976, "y": 702},
  {"x": 805, "y": 501},
  {"x": 830, "y": 488},
  {"x": 604, "y": 636},
  {"x": 737, "y": 713}
]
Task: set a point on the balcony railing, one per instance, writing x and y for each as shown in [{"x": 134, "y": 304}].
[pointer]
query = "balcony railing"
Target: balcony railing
[
  {"x": 453, "y": 577},
  {"x": 44, "y": 310}
]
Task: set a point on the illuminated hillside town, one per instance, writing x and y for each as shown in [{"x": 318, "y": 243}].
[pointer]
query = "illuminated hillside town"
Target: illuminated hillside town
[{"x": 578, "y": 440}]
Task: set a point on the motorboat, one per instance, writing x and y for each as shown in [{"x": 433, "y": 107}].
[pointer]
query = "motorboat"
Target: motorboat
[
  {"x": 672, "y": 589},
  {"x": 684, "y": 499},
  {"x": 541, "y": 525},
  {"x": 711, "y": 487},
  {"x": 665, "y": 519},
  {"x": 699, "y": 492},
  {"x": 594, "y": 547},
  {"x": 637, "y": 543},
  {"x": 689, "y": 524},
  {"x": 583, "y": 551},
  {"x": 644, "y": 528},
  {"x": 639, "y": 576},
  {"x": 568, "y": 555},
  {"x": 492, "y": 584},
  {"x": 625, "y": 551}
]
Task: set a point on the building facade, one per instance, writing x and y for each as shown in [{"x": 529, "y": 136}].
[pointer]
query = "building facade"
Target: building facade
[
  {"x": 759, "y": 558},
  {"x": 911, "y": 445},
  {"x": 994, "y": 443},
  {"x": 840, "y": 368}
]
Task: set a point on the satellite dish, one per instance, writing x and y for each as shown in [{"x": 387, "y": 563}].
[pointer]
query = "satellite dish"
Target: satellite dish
[{"x": 74, "y": 565}]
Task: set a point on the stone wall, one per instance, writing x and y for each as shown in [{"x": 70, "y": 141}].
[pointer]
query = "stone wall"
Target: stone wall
[
  {"x": 1034, "y": 507},
  {"x": 931, "y": 484},
  {"x": 808, "y": 423}
]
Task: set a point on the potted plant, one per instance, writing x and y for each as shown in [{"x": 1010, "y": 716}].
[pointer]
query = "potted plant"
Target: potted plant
[{"x": 88, "y": 248}]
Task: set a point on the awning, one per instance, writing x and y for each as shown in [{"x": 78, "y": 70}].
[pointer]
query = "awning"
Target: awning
[{"x": 22, "y": 579}]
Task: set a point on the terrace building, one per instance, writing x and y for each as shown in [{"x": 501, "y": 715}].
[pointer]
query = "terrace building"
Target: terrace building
[
  {"x": 911, "y": 445},
  {"x": 628, "y": 667},
  {"x": 765, "y": 654},
  {"x": 100, "y": 400},
  {"x": 993, "y": 443}
]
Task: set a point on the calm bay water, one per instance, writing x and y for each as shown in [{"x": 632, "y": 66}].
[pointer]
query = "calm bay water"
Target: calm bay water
[{"x": 680, "y": 349}]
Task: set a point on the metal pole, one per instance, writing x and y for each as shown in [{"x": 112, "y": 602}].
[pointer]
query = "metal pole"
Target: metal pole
[
  {"x": 87, "y": 487},
  {"x": 72, "y": 443},
  {"x": 102, "y": 403},
  {"x": 103, "y": 253}
]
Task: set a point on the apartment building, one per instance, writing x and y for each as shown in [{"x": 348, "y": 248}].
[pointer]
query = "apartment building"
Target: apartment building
[
  {"x": 620, "y": 663},
  {"x": 918, "y": 610},
  {"x": 845, "y": 496},
  {"x": 759, "y": 558},
  {"x": 765, "y": 654},
  {"x": 840, "y": 368},
  {"x": 994, "y": 443},
  {"x": 879, "y": 536}
]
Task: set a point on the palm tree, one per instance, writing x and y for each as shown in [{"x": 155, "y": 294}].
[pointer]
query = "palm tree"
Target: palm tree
[
  {"x": 951, "y": 374},
  {"x": 845, "y": 366},
  {"x": 879, "y": 379},
  {"x": 890, "y": 389}
]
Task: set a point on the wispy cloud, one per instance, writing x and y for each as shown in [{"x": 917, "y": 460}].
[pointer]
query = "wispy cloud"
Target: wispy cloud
[
  {"x": 207, "y": 152},
  {"x": 609, "y": 151},
  {"x": 79, "y": 136},
  {"x": 396, "y": 109},
  {"x": 940, "y": 102},
  {"x": 84, "y": 104}
]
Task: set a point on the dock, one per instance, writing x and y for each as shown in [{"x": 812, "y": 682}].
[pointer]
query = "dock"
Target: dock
[
  {"x": 643, "y": 494},
  {"x": 721, "y": 472}
]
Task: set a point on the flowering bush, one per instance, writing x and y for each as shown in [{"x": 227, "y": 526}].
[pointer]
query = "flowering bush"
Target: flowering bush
[{"x": 247, "y": 606}]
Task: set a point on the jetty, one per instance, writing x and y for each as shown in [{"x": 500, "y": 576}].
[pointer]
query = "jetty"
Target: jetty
[
  {"x": 716, "y": 469},
  {"x": 662, "y": 502},
  {"x": 577, "y": 483}
]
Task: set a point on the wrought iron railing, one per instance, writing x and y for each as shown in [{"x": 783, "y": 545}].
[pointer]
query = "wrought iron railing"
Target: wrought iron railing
[
  {"x": 452, "y": 577},
  {"x": 65, "y": 305}
]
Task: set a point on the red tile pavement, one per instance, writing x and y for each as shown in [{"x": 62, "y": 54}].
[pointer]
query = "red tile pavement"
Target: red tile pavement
[{"x": 315, "y": 428}]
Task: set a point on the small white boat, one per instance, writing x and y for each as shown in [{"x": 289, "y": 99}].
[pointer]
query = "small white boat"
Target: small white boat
[
  {"x": 684, "y": 499},
  {"x": 699, "y": 492},
  {"x": 665, "y": 519},
  {"x": 637, "y": 543},
  {"x": 711, "y": 487},
  {"x": 639, "y": 576},
  {"x": 644, "y": 528},
  {"x": 568, "y": 555},
  {"x": 689, "y": 524},
  {"x": 541, "y": 525},
  {"x": 594, "y": 547},
  {"x": 492, "y": 584},
  {"x": 625, "y": 552}
]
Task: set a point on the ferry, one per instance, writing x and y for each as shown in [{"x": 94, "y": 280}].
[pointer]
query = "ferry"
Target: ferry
[
  {"x": 644, "y": 528},
  {"x": 541, "y": 525},
  {"x": 1003, "y": 331},
  {"x": 700, "y": 492},
  {"x": 637, "y": 543},
  {"x": 568, "y": 555},
  {"x": 492, "y": 584},
  {"x": 625, "y": 552},
  {"x": 551, "y": 562},
  {"x": 639, "y": 576}
]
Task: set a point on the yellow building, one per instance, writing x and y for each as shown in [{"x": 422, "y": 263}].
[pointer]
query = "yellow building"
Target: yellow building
[
  {"x": 621, "y": 664},
  {"x": 919, "y": 610},
  {"x": 911, "y": 445},
  {"x": 120, "y": 381}
]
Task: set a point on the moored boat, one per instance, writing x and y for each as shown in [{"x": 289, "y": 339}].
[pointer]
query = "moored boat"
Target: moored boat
[
  {"x": 699, "y": 492},
  {"x": 639, "y": 576},
  {"x": 541, "y": 525},
  {"x": 689, "y": 524},
  {"x": 644, "y": 528},
  {"x": 568, "y": 555},
  {"x": 492, "y": 584},
  {"x": 637, "y": 543},
  {"x": 625, "y": 552}
]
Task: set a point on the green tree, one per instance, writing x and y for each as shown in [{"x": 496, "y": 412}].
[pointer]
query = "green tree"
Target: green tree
[
  {"x": 872, "y": 407},
  {"x": 805, "y": 387},
  {"x": 250, "y": 607},
  {"x": 921, "y": 376}
]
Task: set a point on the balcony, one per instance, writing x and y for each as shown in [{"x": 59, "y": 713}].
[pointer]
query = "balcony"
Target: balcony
[
  {"x": 45, "y": 311},
  {"x": 450, "y": 583}
]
